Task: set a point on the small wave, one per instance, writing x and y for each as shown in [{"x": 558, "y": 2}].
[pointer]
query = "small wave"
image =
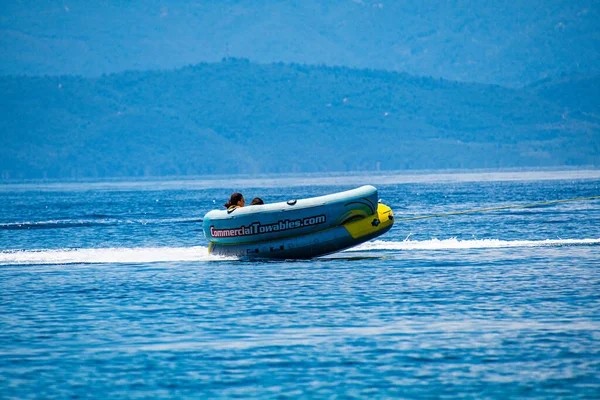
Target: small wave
[
  {"x": 55, "y": 224},
  {"x": 106, "y": 255},
  {"x": 449, "y": 244},
  {"x": 78, "y": 223},
  {"x": 175, "y": 220},
  {"x": 94, "y": 215}
]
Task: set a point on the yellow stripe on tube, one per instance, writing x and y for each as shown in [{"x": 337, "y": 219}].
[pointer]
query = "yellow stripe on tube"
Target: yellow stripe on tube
[{"x": 382, "y": 220}]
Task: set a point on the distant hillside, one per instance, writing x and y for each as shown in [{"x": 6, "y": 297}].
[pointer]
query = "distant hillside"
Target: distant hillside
[
  {"x": 236, "y": 117},
  {"x": 574, "y": 92},
  {"x": 512, "y": 43}
]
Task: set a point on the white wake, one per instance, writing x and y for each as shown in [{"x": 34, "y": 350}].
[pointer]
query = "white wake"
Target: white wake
[
  {"x": 106, "y": 255},
  {"x": 449, "y": 244},
  {"x": 199, "y": 253}
]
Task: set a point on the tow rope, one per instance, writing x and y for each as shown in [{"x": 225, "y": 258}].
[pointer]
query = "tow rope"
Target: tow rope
[{"x": 527, "y": 205}]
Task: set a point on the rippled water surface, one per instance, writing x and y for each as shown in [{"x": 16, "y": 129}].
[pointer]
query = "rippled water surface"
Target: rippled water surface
[{"x": 107, "y": 291}]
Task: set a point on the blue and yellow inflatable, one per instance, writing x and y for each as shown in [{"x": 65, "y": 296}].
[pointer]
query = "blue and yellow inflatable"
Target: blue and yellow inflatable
[{"x": 299, "y": 228}]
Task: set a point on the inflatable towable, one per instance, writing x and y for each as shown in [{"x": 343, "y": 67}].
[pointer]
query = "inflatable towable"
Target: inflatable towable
[{"x": 299, "y": 228}]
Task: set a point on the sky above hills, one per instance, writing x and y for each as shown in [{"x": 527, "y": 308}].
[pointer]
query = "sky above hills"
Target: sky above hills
[{"x": 512, "y": 43}]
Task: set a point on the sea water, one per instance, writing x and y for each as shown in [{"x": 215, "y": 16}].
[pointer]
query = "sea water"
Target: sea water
[{"x": 107, "y": 291}]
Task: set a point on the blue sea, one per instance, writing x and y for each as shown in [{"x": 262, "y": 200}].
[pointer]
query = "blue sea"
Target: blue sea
[{"x": 107, "y": 291}]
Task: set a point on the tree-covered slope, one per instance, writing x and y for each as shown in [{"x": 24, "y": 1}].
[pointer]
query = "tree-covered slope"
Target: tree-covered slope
[
  {"x": 576, "y": 93},
  {"x": 235, "y": 116}
]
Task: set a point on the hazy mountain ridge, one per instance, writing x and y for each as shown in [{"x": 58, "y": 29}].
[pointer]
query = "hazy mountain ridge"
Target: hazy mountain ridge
[
  {"x": 512, "y": 43},
  {"x": 236, "y": 116}
]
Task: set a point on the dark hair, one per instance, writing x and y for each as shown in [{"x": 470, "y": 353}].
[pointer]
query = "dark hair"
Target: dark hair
[
  {"x": 234, "y": 200},
  {"x": 256, "y": 201}
]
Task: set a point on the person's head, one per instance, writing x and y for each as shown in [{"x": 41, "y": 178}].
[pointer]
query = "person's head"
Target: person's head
[
  {"x": 236, "y": 199},
  {"x": 256, "y": 201}
]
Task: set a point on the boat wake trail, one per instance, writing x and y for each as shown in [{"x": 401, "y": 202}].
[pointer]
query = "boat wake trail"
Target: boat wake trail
[
  {"x": 449, "y": 244},
  {"x": 106, "y": 255},
  {"x": 141, "y": 255}
]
